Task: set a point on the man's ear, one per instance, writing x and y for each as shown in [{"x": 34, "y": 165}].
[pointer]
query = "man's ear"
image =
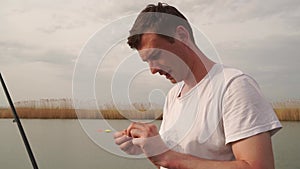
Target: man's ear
[{"x": 182, "y": 34}]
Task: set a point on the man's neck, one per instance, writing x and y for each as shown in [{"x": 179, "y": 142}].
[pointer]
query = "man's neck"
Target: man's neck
[{"x": 199, "y": 67}]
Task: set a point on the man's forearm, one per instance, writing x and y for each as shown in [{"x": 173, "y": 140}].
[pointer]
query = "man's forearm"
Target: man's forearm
[
  {"x": 252, "y": 153},
  {"x": 175, "y": 160}
]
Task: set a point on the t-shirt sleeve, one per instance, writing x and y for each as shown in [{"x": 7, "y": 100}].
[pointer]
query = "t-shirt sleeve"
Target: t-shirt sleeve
[{"x": 245, "y": 111}]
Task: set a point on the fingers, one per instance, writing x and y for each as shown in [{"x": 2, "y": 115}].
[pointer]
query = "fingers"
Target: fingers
[
  {"x": 125, "y": 143},
  {"x": 136, "y": 133},
  {"x": 151, "y": 146},
  {"x": 134, "y": 126},
  {"x": 119, "y": 133},
  {"x": 125, "y": 146},
  {"x": 137, "y": 130},
  {"x": 122, "y": 139},
  {"x": 140, "y": 137}
]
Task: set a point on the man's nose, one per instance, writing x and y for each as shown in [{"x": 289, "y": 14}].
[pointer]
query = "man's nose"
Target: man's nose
[{"x": 153, "y": 68}]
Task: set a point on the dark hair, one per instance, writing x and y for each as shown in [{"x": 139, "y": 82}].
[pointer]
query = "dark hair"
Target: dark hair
[{"x": 161, "y": 19}]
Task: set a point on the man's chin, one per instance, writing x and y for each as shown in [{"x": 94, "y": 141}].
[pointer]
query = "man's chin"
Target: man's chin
[
  {"x": 169, "y": 77},
  {"x": 173, "y": 80}
]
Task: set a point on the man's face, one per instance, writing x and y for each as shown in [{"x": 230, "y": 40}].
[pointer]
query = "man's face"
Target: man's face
[{"x": 163, "y": 57}]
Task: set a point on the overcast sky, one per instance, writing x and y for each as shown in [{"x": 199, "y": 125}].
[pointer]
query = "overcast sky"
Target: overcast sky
[{"x": 40, "y": 42}]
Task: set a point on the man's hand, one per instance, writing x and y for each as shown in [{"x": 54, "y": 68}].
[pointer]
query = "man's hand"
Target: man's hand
[
  {"x": 142, "y": 138},
  {"x": 146, "y": 137},
  {"x": 125, "y": 143}
]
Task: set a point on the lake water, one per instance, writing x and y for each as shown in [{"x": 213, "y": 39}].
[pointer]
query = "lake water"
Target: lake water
[{"x": 64, "y": 144}]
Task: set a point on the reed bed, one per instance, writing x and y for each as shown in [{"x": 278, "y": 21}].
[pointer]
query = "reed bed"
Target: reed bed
[
  {"x": 288, "y": 110},
  {"x": 39, "y": 113},
  {"x": 62, "y": 109},
  {"x": 42, "y": 113},
  {"x": 288, "y": 114},
  {"x": 283, "y": 114}
]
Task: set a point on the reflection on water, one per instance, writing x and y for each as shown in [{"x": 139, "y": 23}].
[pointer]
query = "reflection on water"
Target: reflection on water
[{"x": 64, "y": 144}]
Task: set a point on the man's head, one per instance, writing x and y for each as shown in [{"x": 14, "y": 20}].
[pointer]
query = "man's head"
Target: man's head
[
  {"x": 161, "y": 19},
  {"x": 162, "y": 36}
]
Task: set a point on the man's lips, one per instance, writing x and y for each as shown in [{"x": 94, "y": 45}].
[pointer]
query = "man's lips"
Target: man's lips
[{"x": 167, "y": 74}]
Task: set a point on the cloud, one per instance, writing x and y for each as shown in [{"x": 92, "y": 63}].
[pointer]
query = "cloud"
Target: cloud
[
  {"x": 280, "y": 51},
  {"x": 36, "y": 80},
  {"x": 229, "y": 11},
  {"x": 47, "y": 36},
  {"x": 13, "y": 52},
  {"x": 272, "y": 61}
]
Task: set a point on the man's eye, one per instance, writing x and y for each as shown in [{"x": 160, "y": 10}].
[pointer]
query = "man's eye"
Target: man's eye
[{"x": 155, "y": 57}]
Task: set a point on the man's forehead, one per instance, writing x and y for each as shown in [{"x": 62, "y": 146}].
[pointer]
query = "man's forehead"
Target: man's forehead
[
  {"x": 148, "y": 40},
  {"x": 151, "y": 43},
  {"x": 147, "y": 51}
]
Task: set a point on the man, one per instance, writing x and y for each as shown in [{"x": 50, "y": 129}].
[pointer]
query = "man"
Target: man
[{"x": 215, "y": 117}]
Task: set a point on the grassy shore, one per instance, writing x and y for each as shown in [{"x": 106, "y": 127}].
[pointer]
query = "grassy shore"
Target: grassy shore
[
  {"x": 288, "y": 110},
  {"x": 284, "y": 114},
  {"x": 288, "y": 114},
  {"x": 44, "y": 113},
  {"x": 62, "y": 109}
]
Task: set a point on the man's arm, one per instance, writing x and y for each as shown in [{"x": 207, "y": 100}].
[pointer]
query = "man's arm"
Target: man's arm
[
  {"x": 254, "y": 152},
  {"x": 251, "y": 153}
]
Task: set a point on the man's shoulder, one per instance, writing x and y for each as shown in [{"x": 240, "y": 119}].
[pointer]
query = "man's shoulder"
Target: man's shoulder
[
  {"x": 226, "y": 73},
  {"x": 229, "y": 70}
]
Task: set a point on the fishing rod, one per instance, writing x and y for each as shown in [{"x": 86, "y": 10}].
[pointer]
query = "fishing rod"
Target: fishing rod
[{"x": 17, "y": 120}]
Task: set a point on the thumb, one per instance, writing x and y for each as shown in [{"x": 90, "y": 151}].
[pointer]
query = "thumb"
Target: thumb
[{"x": 151, "y": 146}]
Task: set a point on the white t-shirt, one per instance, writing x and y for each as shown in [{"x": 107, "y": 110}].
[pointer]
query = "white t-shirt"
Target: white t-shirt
[{"x": 224, "y": 107}]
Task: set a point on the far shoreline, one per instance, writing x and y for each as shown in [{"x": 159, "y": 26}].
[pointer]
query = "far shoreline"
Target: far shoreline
[{"x": 283, "y": 114}]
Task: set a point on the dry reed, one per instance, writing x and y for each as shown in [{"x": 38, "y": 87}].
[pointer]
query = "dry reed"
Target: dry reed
[
  {"x": 42, "y": 113},
  {"x": 288, "y": 114},
  {"x": 62, "y": 109},
  {"x": 288, "y": 110}
]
